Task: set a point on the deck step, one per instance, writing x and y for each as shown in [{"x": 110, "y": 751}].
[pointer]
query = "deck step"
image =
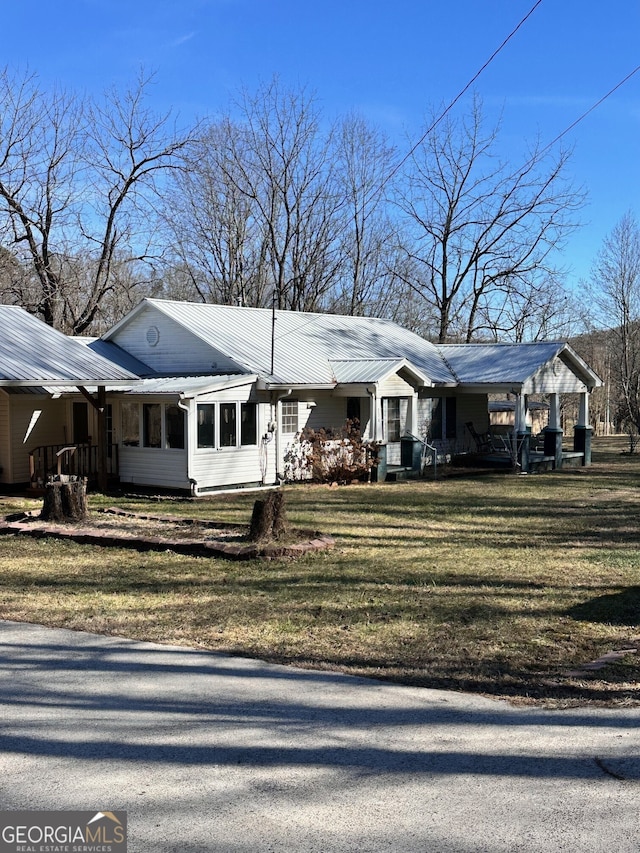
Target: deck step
[{"x": 397, "y": 473}]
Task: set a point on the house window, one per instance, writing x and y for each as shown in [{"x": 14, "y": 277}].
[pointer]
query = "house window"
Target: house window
[
  {"x": 151, "y": 425},
  {"x": 174, "y": 427},
  {"x": 130, "y": 417},
  {"x": 392, "y": 431},
  {"x": 248, "y": 424},
  {"x": 289, "y": 416},
  {"x": 227, "y": 425},
  {"x": 206, "y": 425},
  {"x": 443, "y": 418}
]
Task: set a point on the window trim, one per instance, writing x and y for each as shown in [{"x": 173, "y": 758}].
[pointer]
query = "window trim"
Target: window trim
[
  {"x": 141, "y": 434},
  {"x": 289, "y": 417},
  {"x": 240, "y": 426},
  {"x": 387, "y": 420}
]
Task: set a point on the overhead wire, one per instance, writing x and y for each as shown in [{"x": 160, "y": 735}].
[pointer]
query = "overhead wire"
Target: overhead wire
[
  {"x": 435, "y": 123},
  {"x": 465, "y": 89},
  {"x": 591, "y": 109},
  {"x": 460, "y": 94}
]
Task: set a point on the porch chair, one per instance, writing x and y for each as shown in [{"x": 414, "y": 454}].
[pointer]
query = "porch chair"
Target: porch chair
[{"x": 482, "y": 440}]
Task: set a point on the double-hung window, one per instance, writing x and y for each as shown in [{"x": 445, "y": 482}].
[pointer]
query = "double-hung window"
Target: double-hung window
[
  {"x": 392, "y": 425},
  {"x": 289, "y": 416}
]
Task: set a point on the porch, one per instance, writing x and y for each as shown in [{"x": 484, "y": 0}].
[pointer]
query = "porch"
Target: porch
[
  {"x": 80, "y": 460},
  {"x": 530, "y": 453}
]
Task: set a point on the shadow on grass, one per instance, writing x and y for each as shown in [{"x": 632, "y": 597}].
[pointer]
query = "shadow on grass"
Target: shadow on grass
[{"x": 618, "y": 608}]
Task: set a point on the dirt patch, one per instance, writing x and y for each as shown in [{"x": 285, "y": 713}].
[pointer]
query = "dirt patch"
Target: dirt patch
[{"x": 117, "y": 528}]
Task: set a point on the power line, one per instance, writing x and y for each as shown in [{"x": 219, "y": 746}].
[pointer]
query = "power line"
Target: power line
[
  {"x": 591, "y": 109},
  {"x": 462, "y": 92}
]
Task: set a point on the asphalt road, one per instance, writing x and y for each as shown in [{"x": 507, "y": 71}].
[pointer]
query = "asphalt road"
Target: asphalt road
[{"x": 213, "y": 753}]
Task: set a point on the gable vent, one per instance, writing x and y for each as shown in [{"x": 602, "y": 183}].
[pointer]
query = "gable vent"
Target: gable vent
[{"x": 153, "y": 335}]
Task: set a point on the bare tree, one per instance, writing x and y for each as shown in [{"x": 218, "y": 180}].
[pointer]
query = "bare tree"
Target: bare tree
[
  {"x": 369, "y": 241},
  {"x": 615, "y": 291},
  {"x": 212, "y": 222},
  {"x": 476, "y": 228},
  {"x": 77, "y": 180},
  {"x": 281, "y": 163}
]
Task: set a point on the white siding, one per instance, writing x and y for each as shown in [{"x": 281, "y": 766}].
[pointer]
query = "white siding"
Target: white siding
[
  {"x": 153, "y": 466},
  {"x": 329, "y": 412},
  {"x": 229, "y": 466},
  {"x": 34, "y": 421},
  {"x": 177, "y": 349},
  {"x": 554, "y": 378},
  {"x": 234, "y": 466},
  {"x": 240, "y": 394},
  {"x": 395, "y": 386},
  {"x": 210, "y": 468}
]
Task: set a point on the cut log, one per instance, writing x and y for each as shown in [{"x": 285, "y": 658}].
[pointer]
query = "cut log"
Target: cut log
[{"x": 65, "y": 500}]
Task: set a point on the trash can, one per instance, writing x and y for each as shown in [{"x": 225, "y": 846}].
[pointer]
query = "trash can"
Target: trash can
[{"x": 411, "y": 452}]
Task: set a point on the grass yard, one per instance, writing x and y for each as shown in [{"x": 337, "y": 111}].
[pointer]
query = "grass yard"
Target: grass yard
[{"x": 500, "y": 584}]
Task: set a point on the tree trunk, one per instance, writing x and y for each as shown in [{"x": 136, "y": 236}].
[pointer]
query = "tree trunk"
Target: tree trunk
[
  {"x": 65, "y": 500},
  {"x": 269, "y": 520}
]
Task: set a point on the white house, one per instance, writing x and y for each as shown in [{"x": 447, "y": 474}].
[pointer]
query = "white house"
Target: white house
[{"x": 218, "y": 393}]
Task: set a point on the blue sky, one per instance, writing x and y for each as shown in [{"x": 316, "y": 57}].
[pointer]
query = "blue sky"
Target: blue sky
[{"x": 388, "y": 61}]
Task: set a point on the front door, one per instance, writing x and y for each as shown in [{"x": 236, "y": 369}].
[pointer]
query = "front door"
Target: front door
[{"x": 81, "y": 423}]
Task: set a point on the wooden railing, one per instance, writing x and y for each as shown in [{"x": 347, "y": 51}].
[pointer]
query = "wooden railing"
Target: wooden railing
[{"x": 80, "y": 460}]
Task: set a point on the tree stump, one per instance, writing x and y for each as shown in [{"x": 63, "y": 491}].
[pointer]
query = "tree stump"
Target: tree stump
[
  {"x": 65, "y": 500},
  {"x": 269, "y": 520}
]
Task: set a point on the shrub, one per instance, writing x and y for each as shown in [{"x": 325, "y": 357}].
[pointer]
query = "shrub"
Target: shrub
[{"x": 327, "y": 456}]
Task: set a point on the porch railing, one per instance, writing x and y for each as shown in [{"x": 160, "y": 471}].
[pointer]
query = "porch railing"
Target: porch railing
[{"x": 80, "y": 460}]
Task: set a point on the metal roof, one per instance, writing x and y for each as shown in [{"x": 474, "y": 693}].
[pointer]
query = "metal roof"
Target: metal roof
[
  {"x": 188, "y": 386},
  {"x": 501, "y": 364},
  {"x": 32, "y": 353},
  {"x": 304, "y": 343},
  {"x": 364, "y": 370},
  {"x": 119, "y": 356}
]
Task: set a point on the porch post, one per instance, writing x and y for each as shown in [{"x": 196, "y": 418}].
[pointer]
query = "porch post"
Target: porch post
[
  {"x": 582, "y": 431},
  {"x": 376, "y": 414},
  {"x": 522, "y": 435},
  {"x": 379, "y": 473},
  {"x": 99, "y": 403},
  {"x": 413, "y": 424},
  {"x": 102, "y": 439},
  {"x": 553, "y": 433}
]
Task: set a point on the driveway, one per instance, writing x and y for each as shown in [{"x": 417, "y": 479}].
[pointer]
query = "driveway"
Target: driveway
[{"x": 213, "y": 753}]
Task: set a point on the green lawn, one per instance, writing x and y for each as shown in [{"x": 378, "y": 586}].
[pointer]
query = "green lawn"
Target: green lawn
[{"x": 499, "y": 584}]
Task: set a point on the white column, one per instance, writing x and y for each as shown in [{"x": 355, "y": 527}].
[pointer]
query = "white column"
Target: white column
[
  {"x": 376, "y": 414},
  {"x": 583, "y": 413},
  {"x": 413, "y": 426},
  {"x": 521, "y": 413},
  {"x": 554, "y": 412}
]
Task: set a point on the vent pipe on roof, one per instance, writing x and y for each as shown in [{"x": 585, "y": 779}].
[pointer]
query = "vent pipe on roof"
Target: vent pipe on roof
[{"x": 273, "y": 333}]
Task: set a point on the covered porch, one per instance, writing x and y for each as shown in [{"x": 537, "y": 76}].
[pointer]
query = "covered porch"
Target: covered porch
[
  {"x": 520, "y": 448},
  {"x": 548, "y": 370}
]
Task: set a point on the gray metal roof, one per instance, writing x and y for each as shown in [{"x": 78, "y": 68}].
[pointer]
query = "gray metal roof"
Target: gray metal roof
[
  {"x": 188, "y": 386},
  {"x": 503, "y": 364},
  {"x": 107, "y": 349},
  {"x": 33, "y": 353},
  {"x": 361, "y": 371},
  {"x": 304, "y": 343}
]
